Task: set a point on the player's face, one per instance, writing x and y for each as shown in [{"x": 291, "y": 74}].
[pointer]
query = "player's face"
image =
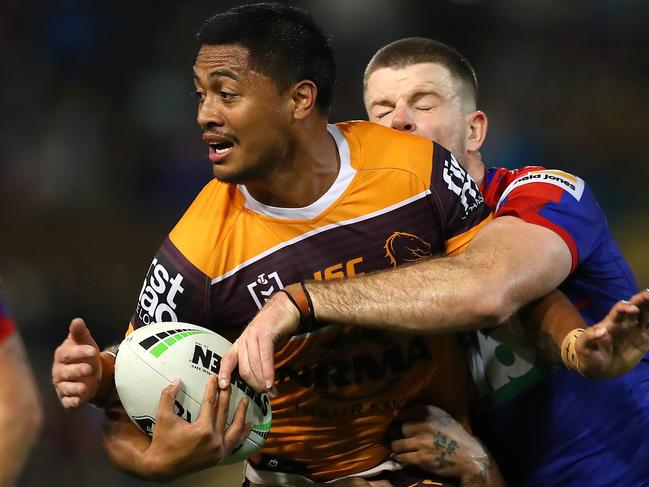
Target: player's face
[
  {"x": 421, "y": 98},
  {"x": 243, "y": 116}
]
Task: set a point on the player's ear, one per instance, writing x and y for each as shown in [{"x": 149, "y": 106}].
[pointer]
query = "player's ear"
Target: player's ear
[
  {"x": 303, "y": 95},
  {"x": 477, "y": 123}
]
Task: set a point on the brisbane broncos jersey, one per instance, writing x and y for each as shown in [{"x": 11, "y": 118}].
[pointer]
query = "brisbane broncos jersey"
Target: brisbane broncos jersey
[
  {"x": 548, "y": 426},
  {"x": 6, "y": 323},
  {"x": 397, "y": 198}
]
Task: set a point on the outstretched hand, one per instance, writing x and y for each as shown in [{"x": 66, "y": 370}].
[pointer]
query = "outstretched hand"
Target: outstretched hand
[
  {"x": 254, "y": 350},
  {"x": 616, "y": 344},
  {"x": 76, "y": 369}
]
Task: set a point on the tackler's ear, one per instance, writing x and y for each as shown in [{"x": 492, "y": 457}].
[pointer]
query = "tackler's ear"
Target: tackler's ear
[
  {"x": 477, "y": 123},
  {"x": 304, "y": 94}
]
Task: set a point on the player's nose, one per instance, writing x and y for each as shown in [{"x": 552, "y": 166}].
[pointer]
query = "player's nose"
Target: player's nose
[
  {"x": 403, "y": 119},
  {"x": 209, "y": 114}
]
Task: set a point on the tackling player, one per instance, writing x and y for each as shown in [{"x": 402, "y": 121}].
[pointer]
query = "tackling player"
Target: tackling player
[
  {"x": 546, "y": 426},
  {"x": 21, "y": 414},
  {"x": 573, "y": 432}
]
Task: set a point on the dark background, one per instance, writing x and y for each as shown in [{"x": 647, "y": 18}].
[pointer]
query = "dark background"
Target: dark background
[{"x": 100, "y": 154}]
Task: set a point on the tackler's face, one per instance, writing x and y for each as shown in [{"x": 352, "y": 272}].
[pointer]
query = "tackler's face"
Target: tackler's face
[
  {"x": 422, "y": 99},
  {"x": 243, "y": 116}
]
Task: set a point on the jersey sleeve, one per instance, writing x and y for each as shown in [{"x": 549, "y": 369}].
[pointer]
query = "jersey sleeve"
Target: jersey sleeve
[
  {"x": 172, "y": 291},
  {"x": 7, "y": 327},
  {"x": 462, "y": 208},
  {"x": 560, "y": 202}
]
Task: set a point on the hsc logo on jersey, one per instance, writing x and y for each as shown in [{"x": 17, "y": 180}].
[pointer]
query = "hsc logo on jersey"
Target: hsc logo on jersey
[
  {"x": 263, "y": 287},
  {"x": 160, "y": 294}
]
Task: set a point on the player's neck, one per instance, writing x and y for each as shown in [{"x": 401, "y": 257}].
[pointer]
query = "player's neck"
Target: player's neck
[
  {"x": 473, "y": 164},
  {"x": 311, "y": 169}
]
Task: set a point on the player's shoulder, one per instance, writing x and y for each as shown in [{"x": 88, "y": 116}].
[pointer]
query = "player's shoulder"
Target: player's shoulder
[
  {"x": 374, "y": 146},
  {"x": 537, "y": 179},
  {"x": 214, "y": 195},
  {"x": 208, "y": 217}
]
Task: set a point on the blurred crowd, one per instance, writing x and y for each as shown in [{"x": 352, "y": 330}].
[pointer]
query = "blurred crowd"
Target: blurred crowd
[{"x": 100, "y": 153}]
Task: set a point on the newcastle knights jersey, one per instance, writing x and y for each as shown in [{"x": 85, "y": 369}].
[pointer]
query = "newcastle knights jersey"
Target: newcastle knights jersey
[
  {"x": 397, "y": 198},
  {"x": 6, "y": 323},
  {"x": 545, "y": 425}
]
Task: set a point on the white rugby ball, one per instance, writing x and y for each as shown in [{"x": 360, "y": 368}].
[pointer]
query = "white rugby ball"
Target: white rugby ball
[{"x": 151, "y": 357}]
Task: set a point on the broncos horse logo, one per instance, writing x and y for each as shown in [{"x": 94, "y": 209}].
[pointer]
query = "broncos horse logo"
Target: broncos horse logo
[{"x": 402, "y": 247}]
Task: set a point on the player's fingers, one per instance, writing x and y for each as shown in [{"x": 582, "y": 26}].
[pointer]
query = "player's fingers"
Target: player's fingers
[
  {"x": 234, "y": 435},
  {"x": 207, "y": 413},
  {"x": 255, "y": 370},
  {"x": 624, "y": 312},
  {"x": 408, "y": 458},
  {"x": 69, "y": 353},
  {"x": 71, "y": 372},
  {"x": 167, "y": 406},
  {"x": 79, "y": 333},
  {"x": 267, "y": 356},
  {"x": 222, "y": 409},
  {"x": 71, "y": 389},
  {"x": 641, "y": 300},
  {"x": 404, "y": 445},
  {"x": 227, "y": 365}
]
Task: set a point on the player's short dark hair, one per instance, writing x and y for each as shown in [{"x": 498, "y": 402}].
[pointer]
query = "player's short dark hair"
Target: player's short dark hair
[
  {"x": 417, "y": 50},
  {"x": 284, "y": 43}
]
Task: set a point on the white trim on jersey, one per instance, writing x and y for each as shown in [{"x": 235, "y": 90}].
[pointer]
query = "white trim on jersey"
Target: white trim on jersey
[
  {"x": 345, "y": 176},
  {"x": 269, "y": 477}
]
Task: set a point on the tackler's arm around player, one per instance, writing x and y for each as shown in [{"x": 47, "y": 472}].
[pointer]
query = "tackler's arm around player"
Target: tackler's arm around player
[{"x": 481, "y": 287}]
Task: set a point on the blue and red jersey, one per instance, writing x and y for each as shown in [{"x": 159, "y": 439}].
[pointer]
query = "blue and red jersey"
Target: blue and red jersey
[
  {"x": 545, "y": 425},
  {"x": 6, "y": 323}
]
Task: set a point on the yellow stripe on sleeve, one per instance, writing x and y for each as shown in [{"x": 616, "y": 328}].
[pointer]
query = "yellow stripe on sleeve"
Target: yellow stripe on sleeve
[{"x": 456, "y": 245}]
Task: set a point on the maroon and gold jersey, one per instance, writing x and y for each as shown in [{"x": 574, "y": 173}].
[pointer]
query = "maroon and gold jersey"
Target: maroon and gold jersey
[{"x": 397, "y": 198}]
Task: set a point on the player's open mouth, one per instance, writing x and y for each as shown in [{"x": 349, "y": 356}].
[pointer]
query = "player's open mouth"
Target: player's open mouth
[{"x": 220, "y": 150}]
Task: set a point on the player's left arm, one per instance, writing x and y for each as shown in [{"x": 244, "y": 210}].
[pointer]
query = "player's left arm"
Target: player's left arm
[
  {"x": 607, "y": 349},
  {"x": 21, "y": 414},
  {"x": 177, "y": 447}
]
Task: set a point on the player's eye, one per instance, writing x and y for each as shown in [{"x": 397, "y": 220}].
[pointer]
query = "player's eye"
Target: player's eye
[
  {"x": 383, "y": 114},
  {"x": 199, "y": 95},
  {"x": 424, "y": 108},
  {"x": 226, "y": 95}
]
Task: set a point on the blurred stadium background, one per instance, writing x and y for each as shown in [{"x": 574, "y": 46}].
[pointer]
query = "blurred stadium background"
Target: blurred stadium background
[{"x": 99, "y": 152}]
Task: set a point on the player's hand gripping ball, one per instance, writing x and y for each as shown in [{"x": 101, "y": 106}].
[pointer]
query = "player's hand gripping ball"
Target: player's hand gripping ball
[{"x": 151, "y": 357}]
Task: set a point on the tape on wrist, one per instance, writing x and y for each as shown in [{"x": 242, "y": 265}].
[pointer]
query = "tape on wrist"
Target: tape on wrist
[
  {"x": 569, "y": 355},
  {"x": 300, "y": 298}
]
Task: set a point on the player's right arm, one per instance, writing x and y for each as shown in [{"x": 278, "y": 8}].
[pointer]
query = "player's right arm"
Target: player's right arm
[{"x": 82, "y": 374}]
